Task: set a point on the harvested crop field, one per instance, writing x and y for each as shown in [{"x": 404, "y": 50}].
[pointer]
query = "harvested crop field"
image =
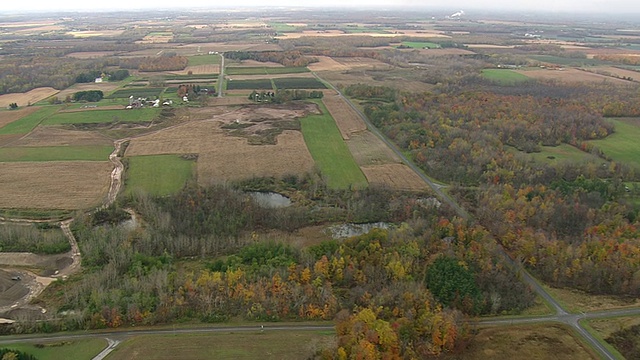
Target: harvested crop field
[
  {"x": 326, "y": 63},
  {"x": 367, "y": 149},
  {"x": 235, "y": 159},
  {"x": 56, "y": 136},
  {"x": 225, "y": 157},
  {"x": 30, "y": 97},
  {"x": 570, "y": 75},
  {"x": 347, "y": 119},
  {"x": 53, "y": 185},
  {"x": 393, "y": 176},
  {"x": 524, "y": 343},
  {"x": 9, "y": 116},
  {"x": 360, "y": 62}
]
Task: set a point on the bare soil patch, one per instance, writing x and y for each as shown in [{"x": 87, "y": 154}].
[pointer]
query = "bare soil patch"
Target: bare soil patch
[
  {"x": 91, "y": 54},
  {"x": 53, "y": 185},
  {"x": 57, "y": 136},
  {"x": 30, "y": 97},
  {"x": 48, "y": 263},
  {"x": 9, "y": 116},
  {"x": 8, "y": 139},
  {"x": 11, "y": 290},
  {"x": 230, "y": 100},
  {"x": 525, "y": 342},
  {"x": 348, "y": 121},
  {"x": 367, "y": 149},
  {"x": 570, "y": 75},
  {"x": 393, "y": 176}
]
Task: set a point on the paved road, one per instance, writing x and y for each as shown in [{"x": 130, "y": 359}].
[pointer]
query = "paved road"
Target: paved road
[
  {"x": 221, "y": 76},
  {"x": 561, "y": 315}
]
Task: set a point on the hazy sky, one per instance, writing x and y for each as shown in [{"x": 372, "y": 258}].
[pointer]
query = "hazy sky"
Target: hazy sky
[{"x": 604, "y": 6}]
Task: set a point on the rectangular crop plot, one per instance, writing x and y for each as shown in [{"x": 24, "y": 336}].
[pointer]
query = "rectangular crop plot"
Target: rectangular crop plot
[
  {"x": 103, "y": 116},
  {"x": 504, "y": 76},
  {"x": 298, "y": 83},
  {"x": 143, "y": 92},
  {"x": 257, "y": 84},
  {"x": 421, "y": 45},
  {"x": 54, "y": 184},
  {"x": 204, "y": 60},
  {"x": 55, "y": 153},
  {"x": 158, "y": 174},
  {"x": 330, "y": 152},
  {"x": 265, "y": 70}
]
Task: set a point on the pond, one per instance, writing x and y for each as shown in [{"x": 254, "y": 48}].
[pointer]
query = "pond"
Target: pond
[
  {"x": 343, "y": 231},
  {"x": 270, "y": 200}
]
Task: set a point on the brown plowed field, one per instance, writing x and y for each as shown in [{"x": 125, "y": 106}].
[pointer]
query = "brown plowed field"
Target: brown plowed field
[
  {"x": 367, "y": 149},
  {"x": 30, "y": 97},
  {"x": 53, "y": 185},
  {"x": 348, "y": 121},
  {"x": 393, "y": 176},
  {"x": 10, "y": 116},
  {"x": 55, "y": 136}
]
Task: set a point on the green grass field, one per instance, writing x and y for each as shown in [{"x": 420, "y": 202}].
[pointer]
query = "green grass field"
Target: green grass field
[
  {"x": 204, "y": 60},
  {"x": 265, "y": 70},
  {"x": 29, "y": 122},
  {"x": 158, "y": 174},
  {"x": 62, "y": 350},
  {"x": 503, "y": 76},
  {"x": 560, "y": 153},
  {"x": 622, "y": 146},
  {"x": 56, "y": 153},
  {"x": 281, "y": 345},
  {"x": 102, "y": 116},
  {"x": 330, "y": 152},
  {"x": 421, "y": 45}
]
